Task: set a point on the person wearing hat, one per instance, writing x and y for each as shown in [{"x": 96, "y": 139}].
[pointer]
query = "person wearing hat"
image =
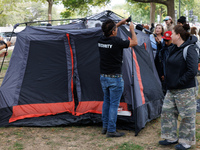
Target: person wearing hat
[
  {"x": 161, "y": 56},
  {"x": 181, "y": 20},
  {"x": 169, "y": 23}
]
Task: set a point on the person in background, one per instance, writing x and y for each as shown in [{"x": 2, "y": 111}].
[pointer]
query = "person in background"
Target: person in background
[
  {"x": 49, "y": 24},
  {"x": 5, "y": 45},
  {"x": 162, "y": 55},
  {"x": 1, "y": 38},
  {"x": 111, "y": 59},
  {"x": 159, "y": 30},
  {"x": 181, "y": 20},
  {"x": 181, "y": 87},
  {"x": 169, "y": 23},
  {"x": 146, "y": 26},
  {"x": 152, "y": 27},
  {"x": 194, "y": 31}
]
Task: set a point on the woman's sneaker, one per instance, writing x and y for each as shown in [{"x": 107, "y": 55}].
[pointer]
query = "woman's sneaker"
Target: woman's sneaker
[
  {"x": 181, "y": 147},
  {"x": 166, "y": 142}
]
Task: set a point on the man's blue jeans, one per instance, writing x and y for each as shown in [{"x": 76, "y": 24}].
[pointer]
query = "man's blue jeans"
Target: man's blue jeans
[{"x": 113, "y": 89}]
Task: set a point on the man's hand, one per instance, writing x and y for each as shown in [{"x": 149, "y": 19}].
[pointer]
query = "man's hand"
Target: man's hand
[
  {"x": 3, "y": 53},
  {"x": 123, "y": 21},
  {"x": 8, "y": 43},
  {"x": 133, "y": 41}
]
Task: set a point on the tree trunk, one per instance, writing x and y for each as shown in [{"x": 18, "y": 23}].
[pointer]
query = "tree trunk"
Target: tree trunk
[
  {"x": 50, "y": 2},
  {"x": 170, "y": 9},
  {"x": 168, "y": 3},
  {"x": 160, "y": 12},
  {"x": 152, "y": 12}
]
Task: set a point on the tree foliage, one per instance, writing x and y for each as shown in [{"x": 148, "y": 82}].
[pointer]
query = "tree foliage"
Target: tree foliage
[
  {"x": 19, "y": 12},
  {"x": 196, "y": 9},
  {"x": 50, "y": 6},
  {"x": 168, "y": 3},
  {"x": 140, "y": 12},
  {"x": 15, "y": 11},
  {"x": 81, "y": 7},
  {"x": 185, "y": 5},
  {"x": 137, "y": 7}
]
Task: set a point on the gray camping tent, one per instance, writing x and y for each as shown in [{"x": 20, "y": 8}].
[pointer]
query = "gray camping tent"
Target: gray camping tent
[{"x": 53, "y": 80}]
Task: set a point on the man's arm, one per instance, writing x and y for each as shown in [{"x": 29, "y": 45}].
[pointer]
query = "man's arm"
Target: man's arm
[
  {"x": 123, "y": 21},
  {"x": 133, "y": 41}
]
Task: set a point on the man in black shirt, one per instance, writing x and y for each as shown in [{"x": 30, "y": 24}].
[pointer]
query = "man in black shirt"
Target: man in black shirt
[{"x": 111, "y": 55}]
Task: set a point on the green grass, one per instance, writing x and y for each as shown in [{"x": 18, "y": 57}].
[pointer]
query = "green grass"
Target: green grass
[
  {"x": 9, "y": 54},
  {"x": 130, "y": 146},
  {"x": 57, "y": 129},
  {"x": 126, "y": 146},
  {"x": 6, "y": 63},
  {"x": 53, "y": 144},
  {"x": 92, "y": 134},
  {"x": 65, "y": 137},
  {"x": 18, "y": 133},
  {"x": 197, "y": 136},
  {"x": 18, "y": 146},
  {"x": 198, "y": 78},
  {"x": 50, "y": 143},
  {"x": 5, "y": 67}
]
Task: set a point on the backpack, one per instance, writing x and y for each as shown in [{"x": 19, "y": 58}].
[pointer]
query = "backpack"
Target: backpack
[{"x": 197, "y": 48}]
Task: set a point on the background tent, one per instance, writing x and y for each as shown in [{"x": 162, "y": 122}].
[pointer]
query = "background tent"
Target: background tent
[{"x": 53, "y": 80}]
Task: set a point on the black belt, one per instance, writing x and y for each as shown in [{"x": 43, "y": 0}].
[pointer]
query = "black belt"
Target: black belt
[{"x": 111, "y": 75}]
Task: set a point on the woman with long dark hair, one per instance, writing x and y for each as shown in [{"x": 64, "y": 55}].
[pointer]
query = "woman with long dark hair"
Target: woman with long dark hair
[{"x": 180, "y": 96}]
